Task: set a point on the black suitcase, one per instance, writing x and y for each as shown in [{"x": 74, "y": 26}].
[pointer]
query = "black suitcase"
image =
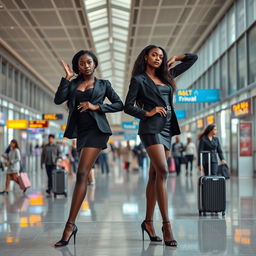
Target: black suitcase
[
  {"x": 211, "y": 191},
  {"x": 59, "y": 182}
]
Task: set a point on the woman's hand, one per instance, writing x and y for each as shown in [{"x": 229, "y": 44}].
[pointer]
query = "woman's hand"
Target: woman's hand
[
  {"x": 83, "y": 106},
  {"x": 69, "y": 72},
  {"x": 156, "y": 110},
  {"x": 171, "y": 61},
  {"x": 223, "y": 161}
]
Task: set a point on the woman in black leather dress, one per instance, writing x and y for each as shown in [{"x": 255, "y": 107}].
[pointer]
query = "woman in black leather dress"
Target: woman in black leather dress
[
  {"x": 86, "y": 121},
  {"x": 152, "y": 88}
]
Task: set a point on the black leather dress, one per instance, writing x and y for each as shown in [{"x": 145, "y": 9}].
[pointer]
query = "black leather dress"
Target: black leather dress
[
  {"x": 88, "y": 133},
  {"x": 164, "y": 137}
]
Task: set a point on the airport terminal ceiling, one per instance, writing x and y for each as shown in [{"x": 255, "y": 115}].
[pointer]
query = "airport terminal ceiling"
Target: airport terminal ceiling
[{"x": 41, "y": 32}]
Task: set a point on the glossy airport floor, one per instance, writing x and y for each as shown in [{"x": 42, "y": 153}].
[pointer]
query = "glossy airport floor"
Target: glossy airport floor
[{"x": 110, "y": 217}]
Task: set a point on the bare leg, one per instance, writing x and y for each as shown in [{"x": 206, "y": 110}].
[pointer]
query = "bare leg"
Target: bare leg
[
  {"x": 87, "y": 159},
  {"x": 157, "y": 155},
  {"x": 7, "y": 182},
  {"x": 14, "y": 177},
  {"x": 151, "y": 197}
]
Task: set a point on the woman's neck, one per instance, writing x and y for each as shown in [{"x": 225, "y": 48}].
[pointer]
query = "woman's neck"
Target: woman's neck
[
  {"x": 88, "y": 78},
  {"x": 150, "y": 71}
]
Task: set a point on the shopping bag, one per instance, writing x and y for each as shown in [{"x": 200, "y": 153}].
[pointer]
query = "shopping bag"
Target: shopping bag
[{"x": 172, "y": 166}]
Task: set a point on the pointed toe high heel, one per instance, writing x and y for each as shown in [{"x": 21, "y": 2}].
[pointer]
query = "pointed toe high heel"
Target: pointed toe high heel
[
  {"x": 172, "y": 243},
  {"x": 65, "y": 242},
  {"x": 152, "y": 238}
]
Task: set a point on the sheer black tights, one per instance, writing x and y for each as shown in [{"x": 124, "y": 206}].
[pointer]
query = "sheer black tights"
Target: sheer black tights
[{"x": 87, "y": 159}]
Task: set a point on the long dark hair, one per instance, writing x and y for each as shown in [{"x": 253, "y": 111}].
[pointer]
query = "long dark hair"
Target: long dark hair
[
  {"x": 207, "y": 130},
  {"x": 15, "y": 142},
  {"x": 162, "y": 72}
]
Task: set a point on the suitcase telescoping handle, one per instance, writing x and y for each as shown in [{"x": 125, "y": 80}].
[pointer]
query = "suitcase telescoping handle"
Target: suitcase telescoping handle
[{"x": 209, "y": 161}]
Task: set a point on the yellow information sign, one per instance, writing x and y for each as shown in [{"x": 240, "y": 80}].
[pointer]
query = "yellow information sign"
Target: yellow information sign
[{"x": 17, "y": 124}]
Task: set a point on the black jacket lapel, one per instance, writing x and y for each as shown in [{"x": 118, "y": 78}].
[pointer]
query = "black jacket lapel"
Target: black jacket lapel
[
  {"x": 96, "y": 89},
  {"x": 150, "y": 82}
]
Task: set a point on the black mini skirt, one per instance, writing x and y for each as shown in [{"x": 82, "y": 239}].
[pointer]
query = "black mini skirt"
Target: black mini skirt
[{"x": 164, "y": 137}]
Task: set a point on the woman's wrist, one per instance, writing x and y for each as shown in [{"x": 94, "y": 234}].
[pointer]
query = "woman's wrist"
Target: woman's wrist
[
  {"x": 68, "y": 77},
  {"x": 180, "y": 57}
]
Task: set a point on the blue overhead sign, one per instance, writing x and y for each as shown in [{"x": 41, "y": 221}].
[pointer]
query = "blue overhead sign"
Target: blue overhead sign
[
  {"x": 180, "y": 113},
  {"x": 197, "y": 95},
  {"x": 130, "y": 125}
]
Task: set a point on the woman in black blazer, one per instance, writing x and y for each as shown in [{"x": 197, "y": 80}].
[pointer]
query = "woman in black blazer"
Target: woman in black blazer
[
  {"x": 151, "y": 88},
  {"x": 209, "y": 142},
  {"x": 86, "y": 121}
]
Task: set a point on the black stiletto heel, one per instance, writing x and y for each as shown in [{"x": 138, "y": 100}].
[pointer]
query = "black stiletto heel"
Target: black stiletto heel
[
  {"x": 63, "y": 242},
  {"x": 172, "y": 243},
  {"x": 3, "y": 192},
  {"x": 152, "y": 238}
]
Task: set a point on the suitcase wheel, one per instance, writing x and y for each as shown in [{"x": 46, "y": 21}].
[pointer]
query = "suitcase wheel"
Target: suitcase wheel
[
  {"x": 204, "y": 214},
  {"x": 55, "y": 195},
  {"x": 65, "y": 194},
  {"x": 200, "y": 213},
  {"x": 223, "y": 213}
]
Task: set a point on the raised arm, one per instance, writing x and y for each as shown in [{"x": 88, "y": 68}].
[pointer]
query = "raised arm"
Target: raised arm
[
  {"x": 187, "y": 60},
  {"x": 63, "y": 90}
]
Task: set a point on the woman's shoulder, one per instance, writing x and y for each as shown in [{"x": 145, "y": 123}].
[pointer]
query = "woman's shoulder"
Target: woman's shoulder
[{"x": 138, "y": 77}]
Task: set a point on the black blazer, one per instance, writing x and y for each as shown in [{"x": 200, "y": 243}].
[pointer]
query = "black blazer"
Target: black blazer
[
  {"x": 213, "y": 146},
  {"x": 102, "y": 89},
  {"x": 143, "y": 88}
]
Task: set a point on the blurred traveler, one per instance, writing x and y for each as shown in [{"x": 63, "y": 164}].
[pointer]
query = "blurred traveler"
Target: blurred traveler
[
  {"x": 209, "y": 142},
  {"x": 73, "y": 155},
  {"x": 177, "y": 153},
  {"x": 87, "y": 122},
  {"x": 127, "y": 155},
  {"x": 104, "y": 161},
  {"x": 190, "y": 153},
  {"x": 50, "y": 154},
  {"x": 13, "y": 159}
]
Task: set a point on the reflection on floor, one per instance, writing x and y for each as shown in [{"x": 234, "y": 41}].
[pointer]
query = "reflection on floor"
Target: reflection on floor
[{"x": 110, "y": 217}]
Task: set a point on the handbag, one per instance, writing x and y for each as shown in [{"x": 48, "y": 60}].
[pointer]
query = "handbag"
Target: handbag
[{"x": 223, "y": 170}]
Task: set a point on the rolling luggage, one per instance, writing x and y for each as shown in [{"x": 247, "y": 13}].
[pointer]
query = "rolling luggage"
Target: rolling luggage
[
  {"x": 24, "y": 181},
  {"x": 211, "y": 191},
  {"x": 59, "y": 182}
]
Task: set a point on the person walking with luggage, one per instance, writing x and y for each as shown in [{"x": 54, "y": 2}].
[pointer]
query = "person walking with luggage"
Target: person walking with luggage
[
  {"x": 177, "y": 153},
  {"x": 190, "y": 153},
  {"x": 13, "y": 159},
  {"x": 209, "y": 142},
  {"x": 49, "y": 156},
  {"x": 152, "y": 88},
  {"x": 73, "y": 155},
  {"x": 86, "y": 121}
]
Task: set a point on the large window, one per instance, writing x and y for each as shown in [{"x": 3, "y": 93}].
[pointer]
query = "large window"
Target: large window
[
  {"x": 240, "y": 20},
  {"x": 252, "y": 55},
  {"x": 241, "y": 63},
  {"x": 4, "y": 77},
  {"x": 231, "y": 25},
  {"x": 251, "y": 11},
  {"x": 223, "y": 35},
  {"x": 217, "y": 75},
  {"x": 223, "y": 76},
  {"x": 232, "y": 70}
]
